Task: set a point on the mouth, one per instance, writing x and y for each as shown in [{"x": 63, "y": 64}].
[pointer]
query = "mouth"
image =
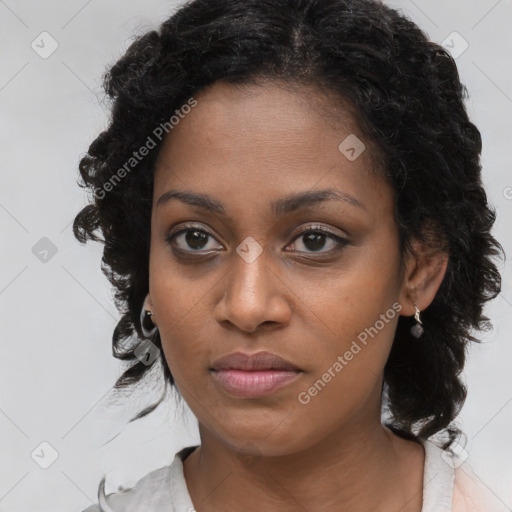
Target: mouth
[
  {"x": 253, "y": 375},
  {"x": 258, "y": 361},
  {"x": 253, "y": 383}
]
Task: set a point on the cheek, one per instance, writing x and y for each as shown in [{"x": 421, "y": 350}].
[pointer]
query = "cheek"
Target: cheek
[
  {"x": 346, "y": 383},
  {"x": 182, "y": 353},
  {"x": 179, "y": 307},
  {"x": 356, "y": 320}
]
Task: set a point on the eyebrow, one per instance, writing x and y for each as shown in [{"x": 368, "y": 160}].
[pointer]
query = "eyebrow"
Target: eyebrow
[{"x": 281, "y": 206}]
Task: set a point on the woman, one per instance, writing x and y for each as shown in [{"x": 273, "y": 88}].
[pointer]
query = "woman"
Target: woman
[{"x": 290, "y": 198}]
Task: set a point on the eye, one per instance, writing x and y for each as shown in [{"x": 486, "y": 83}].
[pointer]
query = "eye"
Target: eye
[
  {"x": 314, "y": 239},
  {"x": 191, "y": 239}
]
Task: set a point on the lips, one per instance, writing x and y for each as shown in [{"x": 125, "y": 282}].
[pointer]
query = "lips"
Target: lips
[
  {"x": 253, "y": 375},
  {"x": 253, "y": 362}
]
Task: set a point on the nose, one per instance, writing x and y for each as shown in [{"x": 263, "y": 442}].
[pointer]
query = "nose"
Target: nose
[{"x": 255, "y": 296}]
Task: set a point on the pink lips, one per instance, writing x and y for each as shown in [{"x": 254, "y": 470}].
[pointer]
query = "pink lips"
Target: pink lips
[{"x": 253, "y": 375}]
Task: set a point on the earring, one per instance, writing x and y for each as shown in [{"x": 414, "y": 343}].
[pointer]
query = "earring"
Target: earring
[
  {"x": 417, "y": 329},
  {"x": 146, "y": 323}
]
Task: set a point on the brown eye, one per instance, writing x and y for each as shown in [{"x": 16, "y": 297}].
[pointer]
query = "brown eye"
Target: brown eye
[
  {"x": 314, "y": 240},
  {"x": 191, "y": 239}
]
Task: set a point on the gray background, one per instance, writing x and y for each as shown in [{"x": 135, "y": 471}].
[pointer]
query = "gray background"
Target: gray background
[{"x": 56, "y": 309}]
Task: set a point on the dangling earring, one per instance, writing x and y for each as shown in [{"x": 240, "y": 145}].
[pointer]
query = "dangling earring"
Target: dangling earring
[
  {"x": 417, "y": 329},
  {"x": 146, "y": 323}
]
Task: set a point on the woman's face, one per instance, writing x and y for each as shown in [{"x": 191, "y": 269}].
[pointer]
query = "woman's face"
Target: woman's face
[{"x": 258, "y": 278}]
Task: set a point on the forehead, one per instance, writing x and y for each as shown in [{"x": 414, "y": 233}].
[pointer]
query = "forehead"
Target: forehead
[
  {"x": 245, "y": 145},
  {"x": 225, "y": 112}
]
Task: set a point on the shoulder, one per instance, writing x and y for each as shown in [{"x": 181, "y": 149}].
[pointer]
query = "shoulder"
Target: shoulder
[
  {"x": 161, "y": 489},
  {"x": 92, "y": 508},
  {"x": 455, "y": 483},
  {"x": 471, "y": 494},
  {"x": 146, "y": 494}
]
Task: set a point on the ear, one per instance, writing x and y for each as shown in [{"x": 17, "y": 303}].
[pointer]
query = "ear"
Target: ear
[
  {"x": 148, "y": 304},
  {"x": 424, "y": 272}
]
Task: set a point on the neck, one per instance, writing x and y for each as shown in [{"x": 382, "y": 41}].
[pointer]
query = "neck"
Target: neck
[{"x": 362, "y": 469}]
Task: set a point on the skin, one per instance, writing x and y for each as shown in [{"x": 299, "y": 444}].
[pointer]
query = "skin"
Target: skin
[{"x": 247, "y": 147}]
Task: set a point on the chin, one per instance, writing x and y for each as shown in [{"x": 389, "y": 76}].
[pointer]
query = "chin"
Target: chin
[{"x": 259, "y": 440}]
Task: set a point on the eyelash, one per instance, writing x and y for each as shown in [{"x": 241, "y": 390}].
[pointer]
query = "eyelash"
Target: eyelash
[{"x": 342, "y": 242}]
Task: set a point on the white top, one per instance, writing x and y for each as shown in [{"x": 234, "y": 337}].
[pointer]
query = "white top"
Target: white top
[{"x": 448, "y": 486}]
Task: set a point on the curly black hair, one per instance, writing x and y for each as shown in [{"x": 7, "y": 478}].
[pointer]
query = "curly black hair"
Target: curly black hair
[{"x": 408, "y": 101}]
